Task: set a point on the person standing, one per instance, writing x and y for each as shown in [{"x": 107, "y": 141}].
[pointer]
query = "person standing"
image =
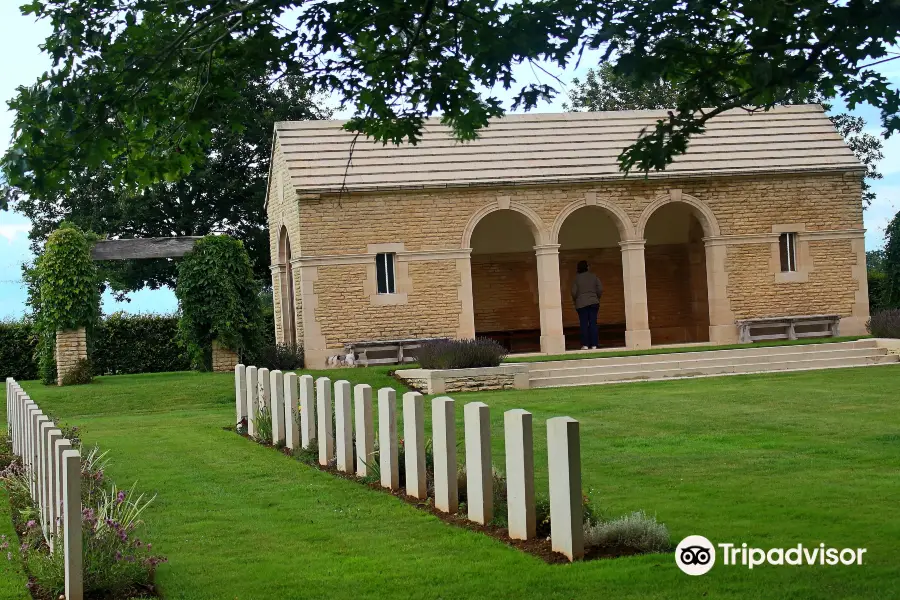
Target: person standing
[{"x": 586, "y": 293}]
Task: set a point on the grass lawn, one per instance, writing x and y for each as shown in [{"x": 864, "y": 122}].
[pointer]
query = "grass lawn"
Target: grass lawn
[
  {"x": 771, "y": 460},
  {"x": 677, "y": 349}
]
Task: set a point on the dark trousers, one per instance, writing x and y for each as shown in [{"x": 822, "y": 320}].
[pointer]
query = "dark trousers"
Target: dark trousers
[{"x": 587, "y": 317}]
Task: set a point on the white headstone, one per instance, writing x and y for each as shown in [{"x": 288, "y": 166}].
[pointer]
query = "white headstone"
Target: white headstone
[
  {"x": 519, "y": 442},
  {"x": 61, "y": 446},
  {"x": 566, "y": 509},
  {"x": 291, "y": 427},
  {"x": 240, "y": 392},
  {"x": 479, "y": 473},
  {"x": 343, "y": 418},
  {"x": 443, "y": 423},
  {"x": 365, "y": 428},
  {"x": 71, "y": 462},
  {"x": 414, "y": 444},
  {"x": 252, "y": 400},
  {"x": 307, "y": 410},
  {"x": 326, "y": 426},
  {"x": 52, "y": 509},
  {"x": 276, "y": 406},
  {"x": 388, "y": 456}
]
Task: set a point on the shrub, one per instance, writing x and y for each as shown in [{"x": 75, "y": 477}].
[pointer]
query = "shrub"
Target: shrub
[
  {"x": 885, "y": 323},
  {"x": 284, "y": 357},
  {"x": 460, "y": 354},
  {"x": 81, "y": 373},
  {"x": 876, "y": 289},
  {"x": 18, "y": 343},
  {"x": 638, "y": 532},
  {"x": 127, "y": 344}
]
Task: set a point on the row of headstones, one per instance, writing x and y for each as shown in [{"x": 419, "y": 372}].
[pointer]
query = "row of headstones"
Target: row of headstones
[
  {"x": 53, "y": 467},
  {"x": 282, "y": 394}
]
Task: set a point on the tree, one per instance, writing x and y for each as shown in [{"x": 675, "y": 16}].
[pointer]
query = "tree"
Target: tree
[
  {"x": 224, "y": 192},
  {"x": 149, "y": 65},
  {"x": 890, "y": 294},
  {"x": 606, "y": 88}
]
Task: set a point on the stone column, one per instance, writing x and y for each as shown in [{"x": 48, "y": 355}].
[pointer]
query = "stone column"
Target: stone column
[
  {"x": 466, "y": 328},
  {"x": 365, "y": 432},
  {"x": 279, "y": 274},
  {"x": 388, "y": 455},
  {"x": 479, "y": 472},
  {"x": 722, "y": 328},
  {"x": 326, "y": 427},
  {"x": 343, "y": 417},
  {"x": 414, "y": 444},
  {"x": 553, "y": 340},
  {"x": 443, "y": 423},
  {"x": 307, "y": 411},
  {"x": 637, "y": 323},
  {"x": 223, "y": 359},
  {"x": 291, "y": 429},
  {"x": 71, "y": 347},
  {"x": 566, "y": 507}
]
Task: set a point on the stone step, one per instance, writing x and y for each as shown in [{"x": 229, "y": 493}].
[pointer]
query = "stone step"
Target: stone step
[
  {"x": 690, "y": 360},
  {"x": 674, "y": 371},
  {"x": 741, "y": 353}
]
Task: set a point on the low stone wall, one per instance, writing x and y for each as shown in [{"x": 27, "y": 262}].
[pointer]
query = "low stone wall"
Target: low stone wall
[
  {"x": 445, "y": 381},
  {"x": 71, "y": 347},
  {"x": 892, "y": 345},
  {"x": 223, "y": 359}
]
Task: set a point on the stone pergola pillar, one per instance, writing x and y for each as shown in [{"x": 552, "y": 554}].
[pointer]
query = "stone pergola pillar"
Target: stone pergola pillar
[
  {"x": 722, "y": 329},
  {"x": 71, "y": 347},
  {"x": 637, "y": 324},
  {"x": 553, "y": 340},
  {"x": 224, "y": 360}
]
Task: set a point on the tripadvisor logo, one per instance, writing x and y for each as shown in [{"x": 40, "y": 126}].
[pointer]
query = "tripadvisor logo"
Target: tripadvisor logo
[{"x": 696, "y": 555}]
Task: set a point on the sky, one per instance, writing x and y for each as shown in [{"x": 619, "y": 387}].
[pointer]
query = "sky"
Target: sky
[{"x": 23, "y": 63}]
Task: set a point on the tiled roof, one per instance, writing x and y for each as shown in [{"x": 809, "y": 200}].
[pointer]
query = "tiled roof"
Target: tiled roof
[{"x": 564, "y": 147}]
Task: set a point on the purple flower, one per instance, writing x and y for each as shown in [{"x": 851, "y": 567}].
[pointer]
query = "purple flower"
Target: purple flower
[
  {"x": 120, "y": 497},
  {"x": 30, "y": 524},
  {"x": 149, "y": 546},
  {"x": 4, "y": 545},
  {"x": 23, "y": 547},
  {"x": 118, "y": 556}
]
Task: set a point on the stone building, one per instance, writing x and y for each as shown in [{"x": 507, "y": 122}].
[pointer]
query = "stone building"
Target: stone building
[{"x": 762, "y": 217}]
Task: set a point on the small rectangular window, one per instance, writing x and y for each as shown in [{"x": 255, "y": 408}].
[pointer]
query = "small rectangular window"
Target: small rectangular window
[
  {"x": 787, "y": 248},
  {"x": 384, "y": 264}
]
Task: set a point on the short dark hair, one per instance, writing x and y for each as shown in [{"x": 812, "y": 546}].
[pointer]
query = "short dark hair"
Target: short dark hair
[{"x": 582, "y": 266}]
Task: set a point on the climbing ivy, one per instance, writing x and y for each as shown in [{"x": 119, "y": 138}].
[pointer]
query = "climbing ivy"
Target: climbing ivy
[{"x": 218, "y": 298}]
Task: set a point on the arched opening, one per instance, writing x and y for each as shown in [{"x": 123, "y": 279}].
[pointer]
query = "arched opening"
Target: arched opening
[
  {"x": 287, "y": 288},
  {"x": 504, "y": 281},
  {"x": 675, "y": 266},
  {"x": 590, "y": 233}
]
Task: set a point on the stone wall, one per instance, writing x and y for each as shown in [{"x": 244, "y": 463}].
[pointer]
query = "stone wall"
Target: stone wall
[
  {"x": 71, "y": 347},
  {"x": 223, "y": 359},
  {"x": 446, "y": 381}
]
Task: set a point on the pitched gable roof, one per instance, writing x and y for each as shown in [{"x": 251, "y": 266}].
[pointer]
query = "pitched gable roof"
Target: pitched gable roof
[{"x": 555, "y": 148}]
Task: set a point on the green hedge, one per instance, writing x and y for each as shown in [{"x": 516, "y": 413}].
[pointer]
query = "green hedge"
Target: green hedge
[
  {"x": 126, "y": 344},
  {"x": 120, "y": 344},
  {"x": 17, "y": 346}
]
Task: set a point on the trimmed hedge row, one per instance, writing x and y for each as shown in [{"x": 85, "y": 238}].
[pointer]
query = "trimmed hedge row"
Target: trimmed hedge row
[
  {"x": 126, "y": 344},
  {"x": 18, "y": 342},
  {"x": 120, "y": 344}
]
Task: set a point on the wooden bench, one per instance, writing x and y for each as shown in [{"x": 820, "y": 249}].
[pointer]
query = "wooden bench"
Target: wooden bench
[
  {"x": 788, "y": 328},
  {"x": 387, "y": 352}
]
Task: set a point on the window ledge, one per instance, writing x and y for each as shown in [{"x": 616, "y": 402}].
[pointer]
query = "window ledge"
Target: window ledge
[
  {"x": 792, "y": 277},
  {"x": 388, "y": 299}
]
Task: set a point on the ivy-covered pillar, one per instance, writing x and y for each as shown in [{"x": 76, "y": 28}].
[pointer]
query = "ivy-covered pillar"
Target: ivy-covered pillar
[
  {"x": 220, "y": 304},
  {"x": 68, "y": 303}
]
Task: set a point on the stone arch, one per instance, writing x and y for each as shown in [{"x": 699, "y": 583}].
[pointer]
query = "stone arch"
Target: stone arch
[
  {"x": 701, "y": 210},
  {"x": 286, "y": 285},
  {"x": 619, "y": 217},
  {"x": 538, "y": 229}
]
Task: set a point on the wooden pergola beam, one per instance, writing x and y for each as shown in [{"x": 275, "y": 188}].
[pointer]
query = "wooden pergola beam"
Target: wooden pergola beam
[{"x": 143, "y": 248}]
